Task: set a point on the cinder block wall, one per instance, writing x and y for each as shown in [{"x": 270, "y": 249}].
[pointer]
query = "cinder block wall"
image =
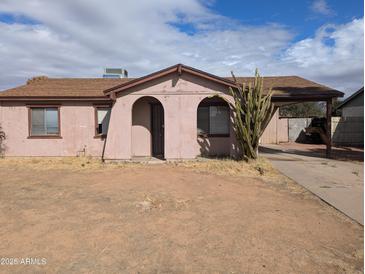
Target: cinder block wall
[
  {"x": 346, "y": 131},
  {"x": 296, "y": 128}
]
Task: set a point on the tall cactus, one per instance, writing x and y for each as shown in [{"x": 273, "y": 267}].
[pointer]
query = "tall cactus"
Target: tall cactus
[{"x": 252, "y": 110}]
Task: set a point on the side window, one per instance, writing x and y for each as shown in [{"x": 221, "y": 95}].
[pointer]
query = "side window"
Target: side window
[
  {"x": 44, "y": 121},
  {"x": 102, "y": 120},
  {"x": 203, "y": 120},
  {"x": 213, "y": 120},
  {"x": 219, "y": 120}
]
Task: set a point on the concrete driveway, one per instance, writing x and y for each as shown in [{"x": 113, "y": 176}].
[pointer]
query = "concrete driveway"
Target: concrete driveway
[{"x": 339, "y": 183}]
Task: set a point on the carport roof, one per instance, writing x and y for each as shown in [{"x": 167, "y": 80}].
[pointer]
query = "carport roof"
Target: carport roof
[
  {"x": 286, "y": 88},
  {"x": 293, "y": 87}
]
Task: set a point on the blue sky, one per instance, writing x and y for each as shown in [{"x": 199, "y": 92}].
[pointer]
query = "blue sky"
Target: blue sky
[
  {"x": 298, "y": 15},
  {"x": 10, "y": 18},
  {"x": 321, "y": 40}
]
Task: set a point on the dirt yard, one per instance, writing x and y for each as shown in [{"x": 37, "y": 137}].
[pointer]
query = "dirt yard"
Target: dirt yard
[{"x": 79, "y": 216}]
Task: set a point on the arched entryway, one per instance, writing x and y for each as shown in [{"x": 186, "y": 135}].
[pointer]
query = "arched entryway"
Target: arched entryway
[
  {"x": 214, "y": 127},
  {"x": 148, "y": 134}
]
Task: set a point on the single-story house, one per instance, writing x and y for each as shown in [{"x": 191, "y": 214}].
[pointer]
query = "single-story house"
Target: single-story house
[
  {"x": 176, "y": 113},
  {"x": 353, "y": 106},
  {"x": 348, "y": 130}
]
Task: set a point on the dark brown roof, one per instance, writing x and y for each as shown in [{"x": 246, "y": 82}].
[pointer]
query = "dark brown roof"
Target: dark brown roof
[
  {"x": 285, "y": 87},
  {"x": 292, "y": 86},
  {"x": 64, "y": 87}
]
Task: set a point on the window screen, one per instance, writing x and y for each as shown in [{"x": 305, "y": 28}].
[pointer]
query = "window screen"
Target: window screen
[
  {"x": 103, "y": 115},
  {"x": 203, "y": 120},
  {"x": 219, "y": 117},
  {"x": 44, "y": 121},
  {"x": 213, "y": 120}
]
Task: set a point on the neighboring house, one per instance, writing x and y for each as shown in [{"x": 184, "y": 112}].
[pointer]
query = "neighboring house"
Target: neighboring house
[
  {"x": 176, "y": 113},
  {"x": 349, "y": 128},
  {"x": 353, "y": 106}
]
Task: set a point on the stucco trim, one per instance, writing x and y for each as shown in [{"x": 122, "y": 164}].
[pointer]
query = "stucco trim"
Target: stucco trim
[{"x": 44, "y": 137}]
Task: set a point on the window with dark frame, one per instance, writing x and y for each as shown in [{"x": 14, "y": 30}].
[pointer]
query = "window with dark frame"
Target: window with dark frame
[
  {"x": 44, "y": 121},
  {"x": 213, "y": 120},
  {"x": 102, "y": 120}
]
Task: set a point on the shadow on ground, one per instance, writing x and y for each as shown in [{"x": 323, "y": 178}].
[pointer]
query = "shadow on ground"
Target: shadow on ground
[{"x": 318, "y": 151}]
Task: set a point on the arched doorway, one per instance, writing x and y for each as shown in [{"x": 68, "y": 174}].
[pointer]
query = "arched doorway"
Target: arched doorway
[
  {"x": 148, "y": 134},
  {"x": 213, "y": 127}
]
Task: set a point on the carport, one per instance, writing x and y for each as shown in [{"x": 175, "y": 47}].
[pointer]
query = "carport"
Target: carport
[{"x": 294, "y": 89}]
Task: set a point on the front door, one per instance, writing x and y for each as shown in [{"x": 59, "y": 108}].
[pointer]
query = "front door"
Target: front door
[{"x": 157, "y": 125}]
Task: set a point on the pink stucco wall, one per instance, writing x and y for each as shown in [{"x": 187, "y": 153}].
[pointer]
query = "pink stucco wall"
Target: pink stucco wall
[
  {"x": 77, "y": 131},
  {"x": 180, "y": 97},
  {"x": 141, "y": 128}
]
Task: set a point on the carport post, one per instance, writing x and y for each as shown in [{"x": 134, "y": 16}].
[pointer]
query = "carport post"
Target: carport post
[{"x": 328, "y": 127}]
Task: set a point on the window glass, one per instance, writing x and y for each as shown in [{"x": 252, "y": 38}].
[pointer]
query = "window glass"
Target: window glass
[
  {"x": 213, "y": 120},
  {"x": 44, "y": 121},
  {"x": 38, "y": 127},
  {"x": 103, "y": 115},
  {"x": 203, "y": 120},
  {"x": 219, "y": 120},
  {"x": 52, "y": 121}
]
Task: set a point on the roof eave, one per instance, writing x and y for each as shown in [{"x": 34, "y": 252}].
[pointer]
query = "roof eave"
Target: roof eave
[
  {"x": 309, "y": 97},
  {"x": 54, "y": 98}
]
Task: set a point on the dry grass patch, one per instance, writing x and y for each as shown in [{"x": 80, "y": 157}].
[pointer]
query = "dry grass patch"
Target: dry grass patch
[
  {"x": 231, "y": 167},
  {"x": 253, "y": 168},
  {"x": 49, "y": 163},
  {"x": 259, "y": 168}
]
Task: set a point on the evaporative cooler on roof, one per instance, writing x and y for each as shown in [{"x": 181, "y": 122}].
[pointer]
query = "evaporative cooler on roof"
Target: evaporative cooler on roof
[{"x": 115, "y": 73}]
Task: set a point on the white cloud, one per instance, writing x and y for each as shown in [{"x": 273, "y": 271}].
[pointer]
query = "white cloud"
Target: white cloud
[
  {"x": 80, "y": 38},
  {"x": 321, "y": 7},
  {"x": 334, "y": 56}
]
